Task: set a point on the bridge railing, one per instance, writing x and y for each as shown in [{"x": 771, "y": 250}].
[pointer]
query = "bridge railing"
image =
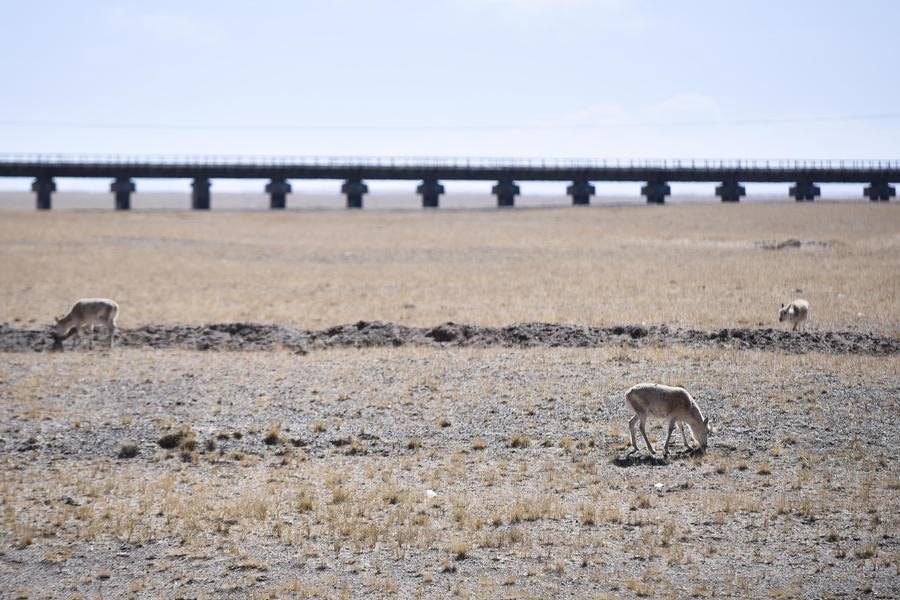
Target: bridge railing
[{"x": 447, "y": 162}]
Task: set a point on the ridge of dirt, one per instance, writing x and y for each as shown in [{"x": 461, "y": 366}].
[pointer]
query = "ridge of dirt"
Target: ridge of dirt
[{"x": 257, "y": 336}]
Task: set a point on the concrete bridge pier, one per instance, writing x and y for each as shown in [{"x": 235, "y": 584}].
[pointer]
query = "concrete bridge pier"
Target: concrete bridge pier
[
  {"x": 656, "y": 192},
  {"x": 354, "y": 189},
  {"x": 805, "y": 190},
  {"x": 581, "y": 191},
  {"x": 200, "y": 193},
  {"x": 44, "y": 186},
  {"x": 880, "y": 191},
  {"x": 730, "y": 191},
  {"x": 506, "y": 191},
  {"x": 278, "y": 190},
  {"x": 122, "y": 188},
  {"x": 431, "y": 191}
]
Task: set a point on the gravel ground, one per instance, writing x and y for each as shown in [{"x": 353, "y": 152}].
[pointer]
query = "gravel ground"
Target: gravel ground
[
  {"x": 254, "y": 336},
  {"x": 431, "y": 469}
]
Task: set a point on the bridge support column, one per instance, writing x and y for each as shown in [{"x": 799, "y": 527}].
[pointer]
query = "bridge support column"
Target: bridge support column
[
  {"x": 581, "y": 191},
  {"x": 354, "y": 188},
  {"x": 278, "y": 190},
  {"x": 431, "y": 191},
  {"x": 656, "y": 192},
  {"x": 880, "y": 190},
  {"x": 122, "y": 188},
  {"x": 730, "y": 191},
  {"x": 805, "y": 190},
  {"x": 44, "y": 186},
  {"x": 200, "y": 193},
  {"x": 506, "y": 191}
]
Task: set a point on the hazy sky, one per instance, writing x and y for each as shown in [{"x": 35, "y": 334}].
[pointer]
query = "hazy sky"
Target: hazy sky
[{"x": 555, "y": 78}]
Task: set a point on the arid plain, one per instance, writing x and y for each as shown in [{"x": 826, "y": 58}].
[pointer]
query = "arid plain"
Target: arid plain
[{"x": 438, "y": 470}]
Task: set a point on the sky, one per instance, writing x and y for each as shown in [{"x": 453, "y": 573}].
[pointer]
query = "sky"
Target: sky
[{"x": 516, "y": 78}]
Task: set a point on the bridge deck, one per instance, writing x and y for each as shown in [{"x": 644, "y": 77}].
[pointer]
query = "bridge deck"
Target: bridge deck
[{"x": 255, "y": 167}]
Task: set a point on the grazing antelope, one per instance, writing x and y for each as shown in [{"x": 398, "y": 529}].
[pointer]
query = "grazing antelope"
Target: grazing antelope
[
  {"x": 87, "y": 312},
  {"x": 665, "y": 402},
  {"x": 797, "y": 312}
]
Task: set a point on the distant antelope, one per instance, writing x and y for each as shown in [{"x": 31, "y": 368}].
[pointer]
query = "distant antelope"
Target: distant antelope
[
  {"x": 87, "y": 312},
  {"x": 797, "y": 312},
  {"x": 665, "y": 402}
]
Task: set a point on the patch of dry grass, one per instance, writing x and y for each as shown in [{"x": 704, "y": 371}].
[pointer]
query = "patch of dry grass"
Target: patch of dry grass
[
  {"x": 128, "y": 450},
  {"x": 533, "y": 513},
  {"x": 496, "y": 267}
]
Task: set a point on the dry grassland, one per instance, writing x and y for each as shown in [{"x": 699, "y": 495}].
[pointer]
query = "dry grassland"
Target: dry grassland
[
  {"x": 698, "y": 266},
  {"x": 292, "y": 476},
  {"x": 449, "y": 472}
]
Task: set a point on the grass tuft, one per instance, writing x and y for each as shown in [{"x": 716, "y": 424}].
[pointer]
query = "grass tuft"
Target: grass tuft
[
  {"x": 588, "y": 514},
  {"x": 128, "y": 450},
  {"x": 272, "y": 436},
  {"x": 183, "y": 438},
  {"x": 519, "y": 440},
  {"x": 460, "y": 549}
]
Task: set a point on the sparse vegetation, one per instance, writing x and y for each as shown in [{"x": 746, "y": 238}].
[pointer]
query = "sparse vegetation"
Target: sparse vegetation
[
  {"x": 338, "y": 495},
  {"x": 866, "y": 551},
  {"x": 128, "y": 450},
  {"x": 554, "y": 252},
  {"x": 527, "y": 491},
  {"x": 459, "y": 549},
  {"x": 273, "y": 435},
  {"x": 183, "y": 438},
  {"x": 304, "y": 500},
  {"x": 639, "y": 588},
  {"x": 587, "y": 514},
  {"x": 519, "y": 440},
  {"x": 641, "y": 501}
]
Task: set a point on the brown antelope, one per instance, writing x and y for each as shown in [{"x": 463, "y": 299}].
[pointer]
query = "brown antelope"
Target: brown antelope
[
  {"x": 665, "y": 402},
  {"x": 87, "y": 312},
  {"x": 797, "y": 312}
]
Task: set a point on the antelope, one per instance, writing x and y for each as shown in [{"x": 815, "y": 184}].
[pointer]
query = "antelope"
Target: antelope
[
  {"x": 797, "y": 312},
  {"x": 87, "y": 312},
  {"x": 665, "y": 402}
]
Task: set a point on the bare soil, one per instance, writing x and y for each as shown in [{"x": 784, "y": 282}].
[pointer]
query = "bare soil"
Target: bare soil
[{"x": 444, "y": 471}]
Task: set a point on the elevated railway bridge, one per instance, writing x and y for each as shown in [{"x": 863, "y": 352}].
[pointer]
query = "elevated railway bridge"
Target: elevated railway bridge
[{"x": 728, "y": 175}]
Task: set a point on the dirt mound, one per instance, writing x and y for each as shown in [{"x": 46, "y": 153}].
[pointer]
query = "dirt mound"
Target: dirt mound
[
  {"x": 362, "y": 334},
  {"x": 791, "y": 243}
]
